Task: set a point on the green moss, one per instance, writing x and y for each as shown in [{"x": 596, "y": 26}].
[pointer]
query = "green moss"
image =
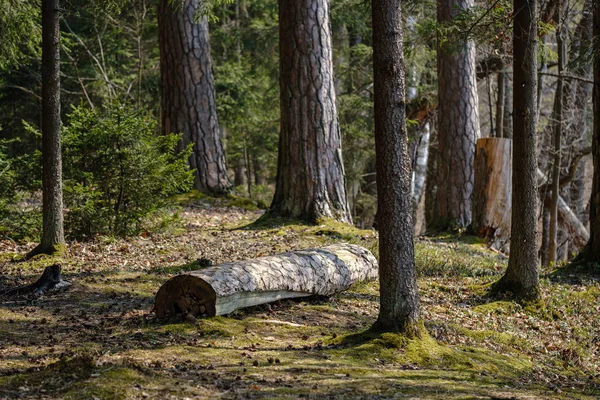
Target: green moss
[
  {"x": 107, "y": 384},
  {"x": 498, "y": 308}
]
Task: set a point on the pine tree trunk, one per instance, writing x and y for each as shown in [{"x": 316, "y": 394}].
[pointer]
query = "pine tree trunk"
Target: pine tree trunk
[
  {"x": 521, "y": 278},
  {"x": 188, "y": 94},
  {"x": 310, "y": 173},
  {"x": 399, "y": 299},
  {"x": 52, "y": 230},
  {"x": 458, "y": 127},
  {"x": 508, "y": 121},
  {"x": 592, "y": 250},
  {"x": 500, "y": 101}
]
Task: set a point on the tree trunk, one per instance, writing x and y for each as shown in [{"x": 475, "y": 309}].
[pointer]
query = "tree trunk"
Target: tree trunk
[
  {"x": 508, "y": 121},
  {"x": 419, "y": 173},
  {"x": 224, "y": 288},
  {"x": 592, "y": 250},
  {"x": 521, "y": 278},
  {"x": 492, "y": 192},
  {"x": 561, "y": 37},
  {"x": 188, "y": 94},
  {"x": 310, "y": 173},
  {"x": 500, "y": 101},
  {"x": 458, "y": 126},
  {"x": 52, "y": 229},
  {"x": 399, "y": 300}
]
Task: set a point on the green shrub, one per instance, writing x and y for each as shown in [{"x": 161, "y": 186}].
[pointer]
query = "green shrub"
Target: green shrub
[{"x": 118, "y": 171}]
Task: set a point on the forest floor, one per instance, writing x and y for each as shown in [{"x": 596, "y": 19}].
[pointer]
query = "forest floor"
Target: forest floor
[{"x": 100, "y": 339}]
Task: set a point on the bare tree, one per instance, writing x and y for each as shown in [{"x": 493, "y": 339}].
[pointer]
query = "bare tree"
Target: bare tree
[
  {"x": 400, "y": 309},
  {"x": 310, "y": 173},
  {"x": 521, "y": 278}
]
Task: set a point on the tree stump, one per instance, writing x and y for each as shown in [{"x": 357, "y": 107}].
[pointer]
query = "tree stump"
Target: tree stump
[
  {"x": 493, "y": 192},
  {"x": 49, "y": 281},
  {"x": 221, "y": 289}
]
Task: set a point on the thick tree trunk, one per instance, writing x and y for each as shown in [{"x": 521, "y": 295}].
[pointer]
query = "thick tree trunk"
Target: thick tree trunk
[
  {"x": 592, "y": 251},
  {"x": 224, "y": 288},
  {"x": 458, "y": 126},
  {"x": 399, "y": 301},
  {"x": 310, "y": 173},
  {"x": 521, "y": 277},
  {"x": 52, "y": 228},
  {"x": 188, "y": 94},
  {"x": 492, "y": 194}
]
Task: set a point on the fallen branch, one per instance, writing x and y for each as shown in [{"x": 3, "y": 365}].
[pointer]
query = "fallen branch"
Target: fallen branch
[{"x": 224, "y": 288}]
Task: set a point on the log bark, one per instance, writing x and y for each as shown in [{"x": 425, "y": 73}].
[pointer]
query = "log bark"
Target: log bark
[
  {"x": 492, "y": 193},
  {"x": 224, "y": 288}
]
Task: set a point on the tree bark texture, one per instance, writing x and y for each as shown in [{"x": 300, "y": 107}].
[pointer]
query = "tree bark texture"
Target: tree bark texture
[
  {"x": 458, "y": 124},
  {"x": 492, "y": 194},
  {"x": 500, "y": 101},
  {"x": 224, "y": 288},
  {"x": 188, "y": 94},
  {"x": 399, "y": 298},
  {"x": 561, "y": 37},
  {"x": 53, "y": 228},
  {"x": 592, "y": 250},
  {"x": 521, "y": 277},
  {"x": 311, "y": 183}
]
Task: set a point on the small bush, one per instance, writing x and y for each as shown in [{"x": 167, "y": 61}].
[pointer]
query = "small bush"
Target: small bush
[{"x": 118, "y": 171}]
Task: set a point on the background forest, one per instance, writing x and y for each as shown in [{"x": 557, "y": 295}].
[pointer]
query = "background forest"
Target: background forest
[{"x": 146, "y": 146}]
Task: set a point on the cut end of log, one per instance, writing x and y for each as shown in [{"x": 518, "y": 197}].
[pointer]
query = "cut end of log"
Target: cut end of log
[{"x": 185, "y": 294}]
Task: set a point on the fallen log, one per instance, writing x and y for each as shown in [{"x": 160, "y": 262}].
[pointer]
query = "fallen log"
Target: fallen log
[
  {"x": 50, "y": 280},
  {"x": 221, "y": 289},
  {"x": 577, "y": 231}
]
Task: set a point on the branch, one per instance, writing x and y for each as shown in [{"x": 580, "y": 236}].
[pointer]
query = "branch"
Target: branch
[{"x": 565, "y": 76}]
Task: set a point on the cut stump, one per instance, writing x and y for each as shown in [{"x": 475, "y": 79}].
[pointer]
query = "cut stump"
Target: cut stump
[
  {"x": 224, "y": 288},
  {"x": 49, "y": 281},
  {"x": 492, "y": 192}
]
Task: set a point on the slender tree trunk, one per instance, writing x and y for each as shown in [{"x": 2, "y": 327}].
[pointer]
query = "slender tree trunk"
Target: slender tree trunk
[
  {"x": 458, "y": 126},
  {"x": 399, "y": 310},
  {"x": 188, "y": 94},
  {"x": 508, "y": 121},
  {"x": 592, "y": 250},
  {"x": 522, "y": 277},
  {"x": 310, "y": 173},
  {"x": 52, "y": 229},
  {"x": 561, "y": 37},
  {"x": 500, "y": 105}
]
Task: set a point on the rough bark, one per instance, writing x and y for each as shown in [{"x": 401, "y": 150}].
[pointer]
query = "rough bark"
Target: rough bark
[
  {"x": 561, "y": 37},
  {"x": 52, "y": 228},
  {"x": 399, "y": 301},
  {"x": 458, "y": 125},
  {"x": 492, "y": 193},
  {"x": 591, "y": 252},
  {"x": 188, "y": 96},
  {"x": 508, "y": 121},
  {"x": 310, "y": 173},
  {"x": 224, "y": 288},
  {"x": 521, "y": 278}
]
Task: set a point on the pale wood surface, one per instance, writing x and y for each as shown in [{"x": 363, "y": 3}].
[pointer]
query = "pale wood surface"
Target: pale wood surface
[{"x": 224, "y": 288}]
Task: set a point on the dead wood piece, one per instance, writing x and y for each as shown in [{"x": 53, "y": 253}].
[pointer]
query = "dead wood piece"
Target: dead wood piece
[
  {"x": 49, "y": 281},
  {"x": 224, "y": 288},
  {"x": 492, "y": 193}
]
